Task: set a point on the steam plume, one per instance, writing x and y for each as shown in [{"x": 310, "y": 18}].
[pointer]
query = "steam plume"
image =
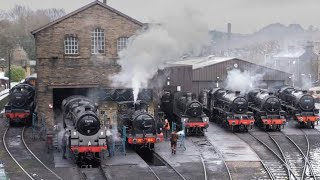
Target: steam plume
[
  {"x": 159, "y": 43},
  {"x": 243, "y": 81}
]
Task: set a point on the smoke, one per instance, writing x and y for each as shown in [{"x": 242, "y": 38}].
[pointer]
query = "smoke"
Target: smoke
[
  {"x": 243, "y": 81},
  {"x": 306, "y": 82},
  {"x": 150, "y": 49}
]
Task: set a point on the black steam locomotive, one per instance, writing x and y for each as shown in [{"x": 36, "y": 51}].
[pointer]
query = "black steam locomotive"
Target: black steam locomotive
[
  {"x": 140, "y": 125},
  {"x": 300, "y": 105},
  {"x": 21, "y": 103},
  {"x": 267, "y": 109},
  {"x": 228, "y": 108},
  {"x": 87, "y": 139},
  {"x": 182, "y": 107}
]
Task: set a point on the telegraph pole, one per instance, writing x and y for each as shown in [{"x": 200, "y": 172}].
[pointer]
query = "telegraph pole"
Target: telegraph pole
[{"x": 9, "y": 65}]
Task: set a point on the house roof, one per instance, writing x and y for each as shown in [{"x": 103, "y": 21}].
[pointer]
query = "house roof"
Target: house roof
[{"x": 84, "y": 8}]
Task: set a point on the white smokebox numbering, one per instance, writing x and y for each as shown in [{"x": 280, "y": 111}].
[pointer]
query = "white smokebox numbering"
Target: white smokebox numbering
[
  {"x": 150, "y": 49},
  {"x": 243, "y": 81}
]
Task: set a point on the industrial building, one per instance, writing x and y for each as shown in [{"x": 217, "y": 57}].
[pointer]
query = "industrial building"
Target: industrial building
[{"x": 212, "y": 71}]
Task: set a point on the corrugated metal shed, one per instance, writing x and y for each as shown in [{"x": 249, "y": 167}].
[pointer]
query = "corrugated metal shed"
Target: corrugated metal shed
[{"x": 209, "y": 68}]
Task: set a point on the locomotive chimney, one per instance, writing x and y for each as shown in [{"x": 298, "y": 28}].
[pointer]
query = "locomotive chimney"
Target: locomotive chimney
[
  {"x": 237, "y": 93},
  {"x": 270, "y": 93},
  {"x": 304, "y": 91}
]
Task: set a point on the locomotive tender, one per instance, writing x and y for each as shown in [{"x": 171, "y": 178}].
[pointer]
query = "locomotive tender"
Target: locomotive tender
[
  {"x": 21, "y": 103},
  {"x": 267, "y": 109},
  {"x": 140, "y": 125},
  {"x": 300, "y": 105},
  {"x": 227, "y": 108},
  {"x": 87, "y": 139},
  {"x": 181, "y": 107}
]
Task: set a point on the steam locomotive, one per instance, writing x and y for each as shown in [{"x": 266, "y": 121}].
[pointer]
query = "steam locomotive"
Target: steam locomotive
[
  {"x": 228, "y": 108},
  {"x": 140, "y": 125},
  {"x": 182, "y": 107},
  {"x": 21, "y": 103},
  {"x": 267, "y": 109},
  {"x": 300, "y": 105},
  {"x": 87, "y": 138}
]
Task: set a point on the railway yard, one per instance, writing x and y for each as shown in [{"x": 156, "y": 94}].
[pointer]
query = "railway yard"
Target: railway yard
[
  {"x": 292, "y": 153},
  {"x": 107, "y": 97}
]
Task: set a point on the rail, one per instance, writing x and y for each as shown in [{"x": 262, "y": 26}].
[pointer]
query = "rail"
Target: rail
[
  {"x": 289, "y": 170},
  {"x": 5, "y": 146},
  {"x": 221, "y": 156},
  {"x": 167, "y": 164}
]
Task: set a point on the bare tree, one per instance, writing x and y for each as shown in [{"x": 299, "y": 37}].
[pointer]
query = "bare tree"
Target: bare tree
[{"x": 17, "y": 23}]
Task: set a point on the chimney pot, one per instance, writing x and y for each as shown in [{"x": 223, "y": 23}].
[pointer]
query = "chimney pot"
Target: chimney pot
[{"x": 104, "y": 1}]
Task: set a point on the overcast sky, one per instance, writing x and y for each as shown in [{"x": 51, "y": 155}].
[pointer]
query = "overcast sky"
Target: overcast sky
[{"x": 245, "y": 15}]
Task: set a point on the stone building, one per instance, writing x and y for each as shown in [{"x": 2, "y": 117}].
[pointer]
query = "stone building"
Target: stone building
[
  {"x": 302, "y": 63},
  {"x": 78, "y": 53}
]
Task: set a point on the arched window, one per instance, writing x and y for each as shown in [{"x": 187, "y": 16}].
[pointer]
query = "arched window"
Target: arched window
[
  {"x": 122, "y": 43},
  {"x": 97, "y": 41},
  {"x": 71, "y": 45}
]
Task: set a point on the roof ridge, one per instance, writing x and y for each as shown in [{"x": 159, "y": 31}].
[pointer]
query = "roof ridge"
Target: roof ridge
[{"x": 82, "y": 9}]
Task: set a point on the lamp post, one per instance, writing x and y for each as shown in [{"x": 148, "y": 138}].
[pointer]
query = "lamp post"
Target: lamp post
[{"x": 217, "y": 81}]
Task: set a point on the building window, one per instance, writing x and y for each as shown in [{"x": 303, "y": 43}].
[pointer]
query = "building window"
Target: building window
[
  {"x": 71, "y": 45},
  {"x": 122, "y": 43},
  {"x": 97, "y": 41}
]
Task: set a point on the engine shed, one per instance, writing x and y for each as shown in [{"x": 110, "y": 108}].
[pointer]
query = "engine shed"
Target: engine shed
[
  {"x": 213, "y": 71},
  {"x": 77, "y": 54}
]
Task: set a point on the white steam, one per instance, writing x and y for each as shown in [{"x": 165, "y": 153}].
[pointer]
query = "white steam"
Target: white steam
[
  {"x": 243, "y": 81},
  {"x": 152, "y": 48},
  {"x": 306, "y": 82}
]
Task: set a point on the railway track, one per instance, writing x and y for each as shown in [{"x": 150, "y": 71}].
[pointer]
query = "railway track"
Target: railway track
[
  {"x": 199, "y": 142},
  {"x": 266, "y": 166},
  {"x": 278, "y": 168},
  {"x": 178, "y": 175},
  {"x": 89, "y": 173},
  {"x": 13, "y": 141},
  {"x": 307, "y": 168}
]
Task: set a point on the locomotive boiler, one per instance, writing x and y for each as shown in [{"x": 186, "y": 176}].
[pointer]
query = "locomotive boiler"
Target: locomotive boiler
[
  {"x": 140, "y": 125},
  {"x": 182, "y": 108},
  {"x": 267, "y": 109},
  {"x": 21, "y": 104},
  {"x": 228, "y": 108},
  {"x": 87, "y": 139},
  {"x": 300, "y": 105}
]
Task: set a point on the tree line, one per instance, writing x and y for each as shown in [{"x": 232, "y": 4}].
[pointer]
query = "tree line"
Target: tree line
[{"x": 16, "y": 25}]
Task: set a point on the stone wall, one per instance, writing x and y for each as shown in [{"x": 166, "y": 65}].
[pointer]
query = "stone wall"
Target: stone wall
[{"x": 54, "y": 68}]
